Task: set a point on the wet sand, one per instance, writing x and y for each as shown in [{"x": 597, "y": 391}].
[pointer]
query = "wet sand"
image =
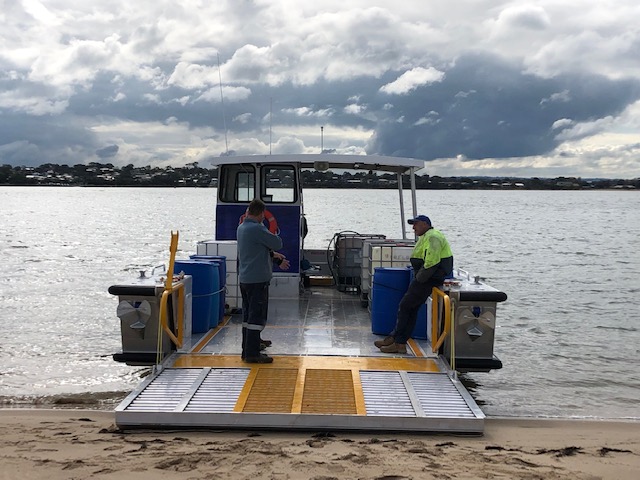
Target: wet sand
[{"x": 79, "y": 444}]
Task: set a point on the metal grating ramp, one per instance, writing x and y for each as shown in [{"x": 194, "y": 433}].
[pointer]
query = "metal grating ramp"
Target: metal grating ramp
[
  {"x": 190, "y": 390},
  {"x": 438, "y": 396},
  {"x": 218, "y": 391},
  {"x": 385, "y": 394},
  {"x": 164, "y": 392},
  {"x": 302, "y": 398},
  {"x": 413, "y": 394}
]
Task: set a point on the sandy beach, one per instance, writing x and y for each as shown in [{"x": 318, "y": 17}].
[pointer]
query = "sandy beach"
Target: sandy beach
[{"x": 79, "y": 444}]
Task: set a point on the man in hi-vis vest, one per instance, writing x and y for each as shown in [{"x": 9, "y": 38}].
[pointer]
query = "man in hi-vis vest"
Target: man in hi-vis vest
[{"x": 432, "y": 262}]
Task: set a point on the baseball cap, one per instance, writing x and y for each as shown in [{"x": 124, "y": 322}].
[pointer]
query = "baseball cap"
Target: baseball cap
[{"x": 419, "y": 218}]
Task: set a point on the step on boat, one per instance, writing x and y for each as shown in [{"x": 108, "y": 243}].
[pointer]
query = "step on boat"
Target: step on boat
[{"x": 325, "y": 313}]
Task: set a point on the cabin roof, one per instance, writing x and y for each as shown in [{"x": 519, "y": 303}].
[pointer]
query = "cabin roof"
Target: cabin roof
[{"x": 355, "y": 162}]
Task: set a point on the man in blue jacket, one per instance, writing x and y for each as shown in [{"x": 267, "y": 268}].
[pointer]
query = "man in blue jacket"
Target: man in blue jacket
[{"x": 256, "y": 253}]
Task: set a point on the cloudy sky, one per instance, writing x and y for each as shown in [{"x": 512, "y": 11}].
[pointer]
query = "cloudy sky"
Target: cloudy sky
[{"x": 475, "y": 87}]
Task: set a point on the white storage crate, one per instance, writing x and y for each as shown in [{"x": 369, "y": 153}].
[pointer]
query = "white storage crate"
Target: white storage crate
[
  {"x": 390, "y": 256},
  {"x": 228, "y": 248},
  {"x": 383, "y": 253}
]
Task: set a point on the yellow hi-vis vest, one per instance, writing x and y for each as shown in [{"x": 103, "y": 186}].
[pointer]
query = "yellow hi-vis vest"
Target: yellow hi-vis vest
[{"x": 431, "y": 248}]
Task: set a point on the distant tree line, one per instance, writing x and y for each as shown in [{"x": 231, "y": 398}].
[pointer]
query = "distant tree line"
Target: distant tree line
[
  {"x": 192, "y": 175},
  {"x": 99, "y": 174}
]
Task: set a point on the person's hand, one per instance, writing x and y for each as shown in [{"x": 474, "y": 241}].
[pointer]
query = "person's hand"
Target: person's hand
[
  {"x": 284, "y": 265},
  {"x": 281, "y": 260}
]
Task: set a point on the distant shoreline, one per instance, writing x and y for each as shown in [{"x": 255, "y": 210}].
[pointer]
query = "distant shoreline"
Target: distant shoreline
[
  {"x": 107, "y": 175},
  {"x": 365, "y": 187}
]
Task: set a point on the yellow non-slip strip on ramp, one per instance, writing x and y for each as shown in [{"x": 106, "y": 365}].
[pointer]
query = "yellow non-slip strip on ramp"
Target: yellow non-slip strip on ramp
[
  {"x": 268, "y": 390},
  {"x": 411, "y": 364},
  {"x": 329, "y": 391},
  {"x": 312, "y": 391}
]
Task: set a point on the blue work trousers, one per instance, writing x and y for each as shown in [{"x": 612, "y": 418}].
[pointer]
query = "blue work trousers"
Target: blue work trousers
[
  {"x": 416, "y": 296},
  {"x": 255, "y": 304}
]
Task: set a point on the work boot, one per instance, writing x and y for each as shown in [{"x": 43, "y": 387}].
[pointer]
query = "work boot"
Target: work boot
[
  {"x": 394, "y": 348},
  {"x": 259, "y": 359},
  {"x": 385, "y": 342},
  {"x": 251, "y": 347}
]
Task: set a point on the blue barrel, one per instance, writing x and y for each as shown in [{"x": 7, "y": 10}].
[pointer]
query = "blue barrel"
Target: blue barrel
[
  {"x": 389, "y": 286},
  {"x": 206, "y": 287},
  {"x": 221, "y": 260}
]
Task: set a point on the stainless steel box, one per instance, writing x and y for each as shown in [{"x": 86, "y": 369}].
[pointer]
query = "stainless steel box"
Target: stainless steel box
[
  {"x": 474, "y": 325},
  {"x": 139, "y": 313}
]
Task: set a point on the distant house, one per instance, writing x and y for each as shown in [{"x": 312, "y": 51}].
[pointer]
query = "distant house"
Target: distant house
[{"x": 567, "y": 184}]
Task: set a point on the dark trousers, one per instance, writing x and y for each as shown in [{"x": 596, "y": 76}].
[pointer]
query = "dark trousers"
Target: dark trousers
[
  {"x": 255, "y": 303},
  {"x": 411, "y": 302}
]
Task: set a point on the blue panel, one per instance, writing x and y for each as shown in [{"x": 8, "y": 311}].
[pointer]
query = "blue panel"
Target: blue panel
[
  {"x": 228, "y": 219},
  {"x": 288, "y": 220}
]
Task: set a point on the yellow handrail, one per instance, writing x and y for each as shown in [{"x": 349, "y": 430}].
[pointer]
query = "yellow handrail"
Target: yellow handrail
[
  {"x": 173, "y": 248},
  {"x": 452, "y": 359},
  {"x": 163, "y": 314},
  {"x": 449, "y": 317},
  {"x": 169, "y": 288},
  {"x": 436, "y": 339}
]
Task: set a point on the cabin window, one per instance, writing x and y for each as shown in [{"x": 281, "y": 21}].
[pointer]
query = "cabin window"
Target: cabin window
[
  {"x": 246, "y": 186},
  {"x": 278, "y": 184},
  {"x": 237, "y": 183}
]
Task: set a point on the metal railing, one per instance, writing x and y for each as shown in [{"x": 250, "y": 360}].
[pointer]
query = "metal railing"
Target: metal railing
[
  {"x": 437, "y": 337},
  {"x": 169, "y": 289}
]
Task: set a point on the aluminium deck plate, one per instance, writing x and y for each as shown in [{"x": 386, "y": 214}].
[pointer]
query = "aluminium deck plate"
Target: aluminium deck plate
[{"x": 327, "y": 398}]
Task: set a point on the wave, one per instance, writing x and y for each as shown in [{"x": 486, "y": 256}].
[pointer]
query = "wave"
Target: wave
[
  {"x": 96, "y": 400},
  {"x": 622, "y": 329}
]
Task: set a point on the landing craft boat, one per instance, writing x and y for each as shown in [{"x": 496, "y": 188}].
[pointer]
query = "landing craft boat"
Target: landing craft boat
[{"x": 325, "y": 312}]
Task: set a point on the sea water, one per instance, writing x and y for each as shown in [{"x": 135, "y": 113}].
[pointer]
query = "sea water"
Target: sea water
[{"x": 568, "y": 335}]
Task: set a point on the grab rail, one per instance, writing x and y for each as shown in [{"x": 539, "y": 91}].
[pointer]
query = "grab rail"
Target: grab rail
[
  {"x": 437, "y": 338},
  {"x": 163, "y": 314},
  {"x": 169, "y": 288}
]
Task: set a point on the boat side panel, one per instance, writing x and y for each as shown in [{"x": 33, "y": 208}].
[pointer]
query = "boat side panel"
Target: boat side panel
[{"x": 287, "y": 217}]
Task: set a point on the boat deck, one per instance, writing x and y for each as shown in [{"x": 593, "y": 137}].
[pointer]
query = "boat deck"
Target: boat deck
[{"x": 326, "y": 374}]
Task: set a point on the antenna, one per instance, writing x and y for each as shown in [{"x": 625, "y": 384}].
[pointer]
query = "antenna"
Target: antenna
[
  {"x": 224, "y": 120},
  {"x": 322, "y": 139},
  {"x": 270, "y": 114}
]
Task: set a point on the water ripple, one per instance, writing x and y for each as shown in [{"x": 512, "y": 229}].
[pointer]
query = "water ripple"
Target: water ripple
[{"x": 622, "y": 329}]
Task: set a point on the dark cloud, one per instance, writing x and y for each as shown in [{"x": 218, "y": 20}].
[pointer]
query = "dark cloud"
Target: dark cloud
[
  {"x": 32, "y": 140},
  {"x": 319, "y": 104},
  {"x": 483, "y": 107},
  {"x": 487, "y": 108},
  {"x": 107, "y": 152}
]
